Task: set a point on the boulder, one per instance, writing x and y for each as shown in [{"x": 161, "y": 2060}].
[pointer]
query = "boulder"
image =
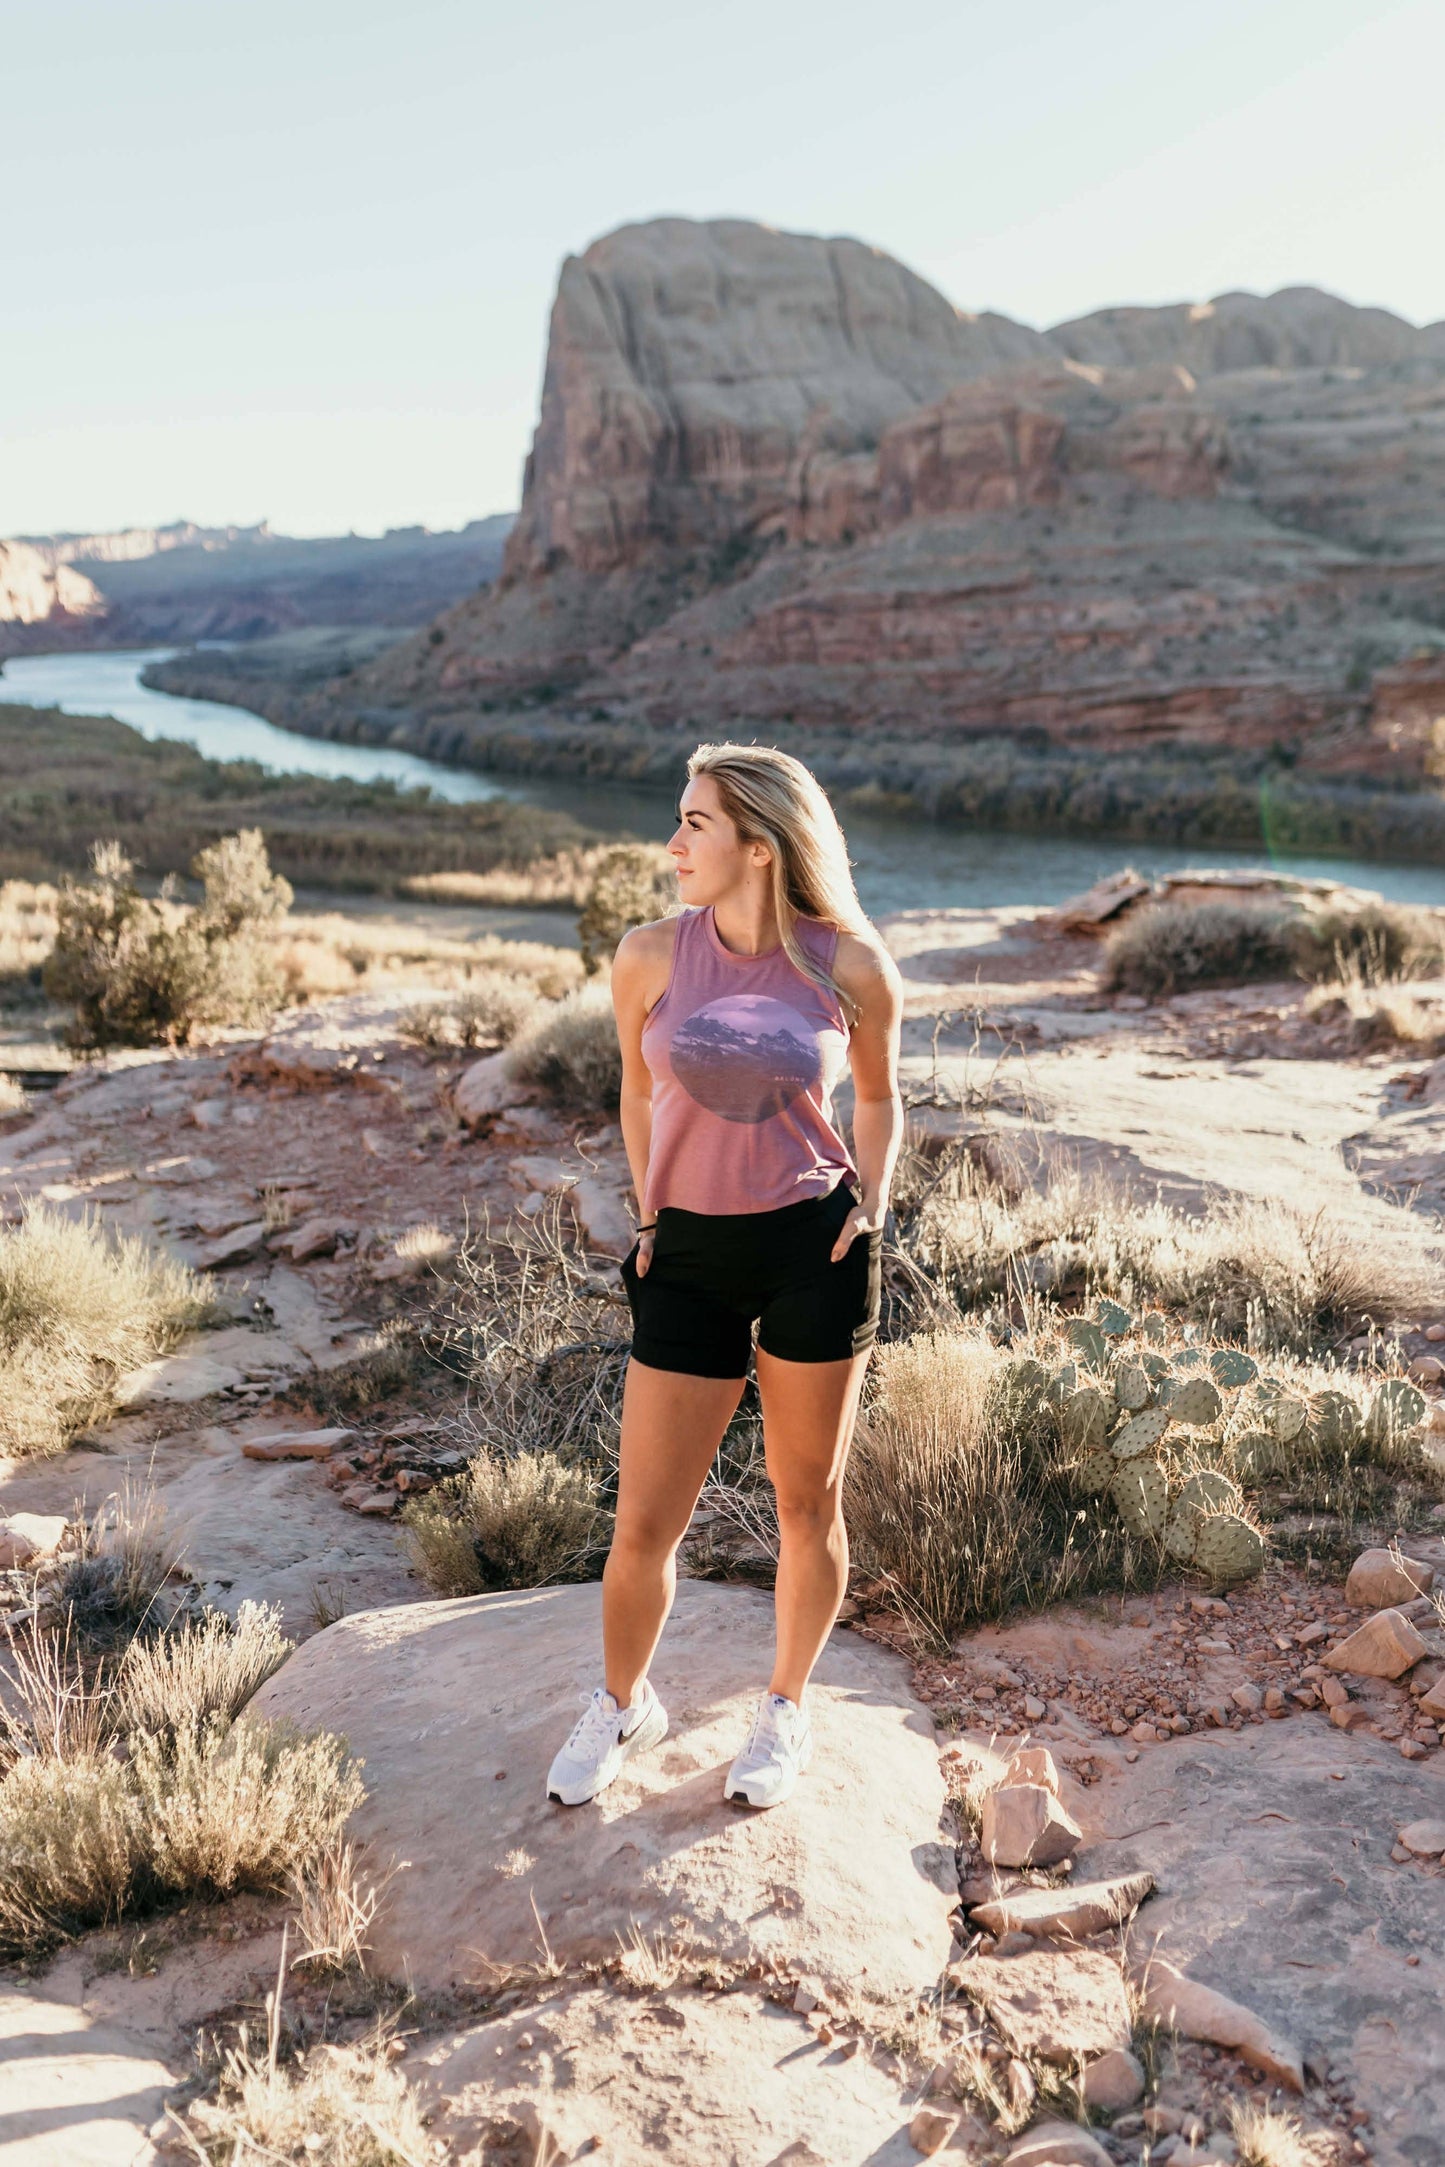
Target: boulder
[
  {"x": 1385, "y": 1646},
  {"x": 1081, "y": 1909},
  {"x": 236, "y": 1247},
  {"x": 456, "y": 1709},
  {"x": 483, "y": 1090},
  {"x": 1024, "y": 1825},
  {"x": 1035, "y": 1764},
  {"x": 1377, "y": 1579}
]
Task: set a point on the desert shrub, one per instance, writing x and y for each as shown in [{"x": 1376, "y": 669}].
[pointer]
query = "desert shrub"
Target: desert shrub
[
  {"x": 27, "y": 935},
  {"x": 489, "y": 1012},
  {"x": 336, "y": 1902},
  {"x": 632, "y": 883},
  {"x": 12, "y": 1097},
  {"x": 541, "y": 1341},
  {"x": 240, "y": 1805},
  {"x": 205, "y": 1668},
  {"x": 72, "y": 1848},
  {"x": 956, "y": 1496},
  {"x": 79, "y": 1306},
  {"x": 139, "y": 971},
  {"x": 394, "y": 1361},
  {"x": 523, "y": 1520},
  {"x": 1375, "y": 943},
  {"x": 571, "y": 1051},
  {"x": 1173, "y": 947},
  {"x": 340, "y": 2107},
  {"x": 114, "y": 1584}
]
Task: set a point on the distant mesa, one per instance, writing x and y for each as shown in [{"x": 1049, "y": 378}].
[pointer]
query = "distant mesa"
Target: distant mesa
[{"x": 779, "y": 482}]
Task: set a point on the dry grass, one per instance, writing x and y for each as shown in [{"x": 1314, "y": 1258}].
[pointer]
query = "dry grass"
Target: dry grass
[
  {"x": 521, "y": 1520},
  {"x": 119, "y": 1580},
  {"x": 72, "y": 1848},
  {"x": 563, "y": 878},
  {"x": 27, "y": 935},
  {"x": 1266, "y": 2137},
  {"x": 207, "y": 1668},
  {"x": 330, "y": 952},
  {"x": 974, "y": 1230},
  {"x": 957, "y": 1501},
  {"x": 336, "y": 1905},
  {"x": 339, "y": 2107},
  {"x": 571, "y": 1051},
  {"x": 79, "y": 1307}
]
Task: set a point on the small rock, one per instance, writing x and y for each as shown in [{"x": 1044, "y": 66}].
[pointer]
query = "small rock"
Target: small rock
[
  {"x": 1348, "y": 1715},
  {"x": 1334, "y": 1692},
  {"x": 1057, "y": 2144},
  {"x": 234, "y": 1248},
  {"x": 1034, "y": 1764},
  {"x": 1212, "y": 1645},
  {"x": 1377, "y": 1580},
  {"x": 1310, "y": 1636},
  {"x": 1145, "y": 1733},
  {"x": 1115, "y": 2081},
  {"x": 929, "y": 2131},
  {"x": 1274, "y": 1700},
  {"x": 1034, "y": 1709},
  {"x": 1432, "y": 1704},
  {"x": 313, "y": 1238},
  {"x": 1427, "y": 1369},
  {"x": 295, "y": 1444},
  {"x": 1247, "y": 1697},
  {"x": 1424, "y": 1839},
  {"x": 1074, "y": 1912},
  {"x": 1162, "y": 2121},
  {"x": 1413, "y": 1750},
  {"x": 26, "y": 1536},
  {"x": 1201, "y": 2012},
  {"x": 483, "y": 1090},
  {"x": 1384, "y": 1647},
  {"x": 1024, "y": 1825}
]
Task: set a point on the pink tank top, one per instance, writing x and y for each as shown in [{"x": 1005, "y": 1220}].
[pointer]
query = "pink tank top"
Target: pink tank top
[{"x": 744, "y": 1053}]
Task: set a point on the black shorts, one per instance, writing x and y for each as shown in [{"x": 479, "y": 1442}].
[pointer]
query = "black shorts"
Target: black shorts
[{"x": 712, "y": 1274}]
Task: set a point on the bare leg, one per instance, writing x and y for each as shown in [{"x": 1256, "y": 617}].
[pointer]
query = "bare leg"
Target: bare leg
[
  {"x": 672, "y": 1426},
  {"x": 809, "y": 1410}
]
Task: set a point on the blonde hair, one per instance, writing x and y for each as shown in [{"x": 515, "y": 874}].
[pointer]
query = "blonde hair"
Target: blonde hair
[{"x": 772, "y": 798}]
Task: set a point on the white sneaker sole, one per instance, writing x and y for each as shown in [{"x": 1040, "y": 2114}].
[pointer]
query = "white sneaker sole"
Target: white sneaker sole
[
  {"x": 650, "y": 1732},
  {"x": 738, "y": 1793}
]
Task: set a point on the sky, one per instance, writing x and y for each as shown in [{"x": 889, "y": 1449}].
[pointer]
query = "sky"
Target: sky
[{"x": 293, "y": 261}]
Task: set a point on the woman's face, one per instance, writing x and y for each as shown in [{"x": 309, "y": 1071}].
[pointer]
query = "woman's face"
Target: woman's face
[{"x": 709, "y": 856}]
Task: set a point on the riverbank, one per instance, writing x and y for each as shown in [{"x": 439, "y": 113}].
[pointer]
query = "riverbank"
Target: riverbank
[{"x": 1199, "y": 800}]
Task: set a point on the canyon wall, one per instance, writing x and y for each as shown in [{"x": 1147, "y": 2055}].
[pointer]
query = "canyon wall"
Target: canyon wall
[{"x": 780, "y": 481}]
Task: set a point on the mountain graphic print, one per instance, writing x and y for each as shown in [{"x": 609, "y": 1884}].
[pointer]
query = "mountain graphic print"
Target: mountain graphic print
[{"x": 746, "y": 1057}]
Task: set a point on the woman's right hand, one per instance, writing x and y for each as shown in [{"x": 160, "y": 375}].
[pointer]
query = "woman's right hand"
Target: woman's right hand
[{"x": 644, "y": 1252}]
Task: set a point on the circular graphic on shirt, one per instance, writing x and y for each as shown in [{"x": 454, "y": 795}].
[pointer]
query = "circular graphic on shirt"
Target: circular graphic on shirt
[{"x": 746, "y": 1057}]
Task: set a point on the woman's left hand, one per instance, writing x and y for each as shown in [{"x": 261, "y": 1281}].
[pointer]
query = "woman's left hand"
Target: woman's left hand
[{"x": 859, "y": 1221}]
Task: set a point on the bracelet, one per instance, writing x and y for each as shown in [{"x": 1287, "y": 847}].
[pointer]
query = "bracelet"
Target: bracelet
[{"x": 648, "y": 1229}]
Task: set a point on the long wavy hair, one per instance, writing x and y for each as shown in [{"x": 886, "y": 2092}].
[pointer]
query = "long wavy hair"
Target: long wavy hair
[{"x": 772, "y": 798}]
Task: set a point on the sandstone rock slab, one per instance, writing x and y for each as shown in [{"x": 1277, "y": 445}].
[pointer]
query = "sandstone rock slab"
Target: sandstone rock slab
[
  {"x": 1202, "y": 2012},
  {"x": 1081, "y": 1909},
  {"x": 25, "y": 1536},
  {"x": 1058, "y": 2004},
  {"x": 456, "y": 1709},
  {"x": 1057, "y": 2144},
  {"x": 1386, "y": 1646},
  {"x": 295, "y": 1444},
  {"x": 74, "y": 2093}
]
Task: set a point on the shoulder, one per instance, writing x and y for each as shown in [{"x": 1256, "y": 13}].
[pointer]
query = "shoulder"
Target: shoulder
[
  {"x": 644, "y": 959},
  {"x": 865, "y": 970}
]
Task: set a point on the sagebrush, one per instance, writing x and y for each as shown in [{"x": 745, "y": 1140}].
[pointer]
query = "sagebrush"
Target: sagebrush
[{"x": 571, "y": 1050}]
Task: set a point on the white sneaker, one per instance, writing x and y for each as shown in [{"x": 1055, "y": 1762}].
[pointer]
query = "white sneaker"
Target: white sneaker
[
  {"x": 602, "y": 1740},
  {"x": 779, "y": 1748}
]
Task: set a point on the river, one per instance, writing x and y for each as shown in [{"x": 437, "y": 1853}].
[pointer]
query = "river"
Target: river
[{"x": 900, "y": 865}]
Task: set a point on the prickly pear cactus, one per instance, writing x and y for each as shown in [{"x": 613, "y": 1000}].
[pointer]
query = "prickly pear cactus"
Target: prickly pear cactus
[
  {"x": 1113, "y": 1320},
  {"x": 1189, "y": 1358},
  {"x": 1228, "y": 1547},
  {"x": 1140, "y": 1434},
  {"x": 1132, "y": 1388},
  {"x": 1095, "y": 1472},
  {"x": 1196, "y": 1403},
  {"x": 1141, "y": 1496},
  {"x": 1258, "y": 1456},
  {"x": 1062, "y": 1383},
  {"x": 1284, "y": 1417},
  {"x": 1088, "y": 1342},
  {"x": 1396, "y": 1411},
  {"x": 1156, "y": 1367},
  {"x": 1084, "y": 1419},
  {"x": 1154, "y": 1327},
  {"x": 1335, "y": 1421},
  {"x": 1231, "y": 1367},
  {"x": 1207, "y": 1490}
]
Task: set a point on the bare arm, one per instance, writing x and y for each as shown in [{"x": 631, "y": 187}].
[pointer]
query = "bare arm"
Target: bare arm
[
  {"x": 640, "y": 971},
  {"x": 869, "y": 976}
]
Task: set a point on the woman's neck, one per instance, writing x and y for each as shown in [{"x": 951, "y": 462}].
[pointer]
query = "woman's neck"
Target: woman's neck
[{"x": 746, "y": 922}]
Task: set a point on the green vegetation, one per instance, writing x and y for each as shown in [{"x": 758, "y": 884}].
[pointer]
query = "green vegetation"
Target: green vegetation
[
  {"x": 64, "y": 779},
  {"x": 632, "y": 884}
]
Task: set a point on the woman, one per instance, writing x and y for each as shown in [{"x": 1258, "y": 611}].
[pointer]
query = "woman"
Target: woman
[{"x": 735, "y": 1020}]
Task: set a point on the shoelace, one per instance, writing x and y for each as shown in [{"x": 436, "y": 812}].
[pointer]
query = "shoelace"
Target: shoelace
[
  {"x": 596, "y": 1725},
  {"x": 767, "y": 1730}
]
